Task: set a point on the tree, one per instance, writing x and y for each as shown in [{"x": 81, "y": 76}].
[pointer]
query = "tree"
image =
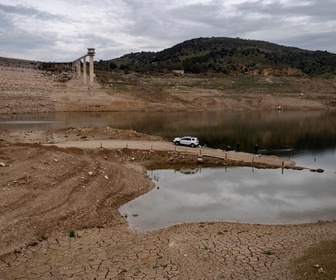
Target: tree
[{"x": 113, "y": 65}]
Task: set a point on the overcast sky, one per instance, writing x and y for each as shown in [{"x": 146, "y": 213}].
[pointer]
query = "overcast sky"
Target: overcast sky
[{"x": 62, "y": 30}]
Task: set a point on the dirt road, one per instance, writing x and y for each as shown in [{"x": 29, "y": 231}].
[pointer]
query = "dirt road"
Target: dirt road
[{"x": 240, "y": 158}]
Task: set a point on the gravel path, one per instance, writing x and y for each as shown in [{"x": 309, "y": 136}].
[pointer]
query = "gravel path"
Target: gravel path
[{"x": 241, "y": 157}]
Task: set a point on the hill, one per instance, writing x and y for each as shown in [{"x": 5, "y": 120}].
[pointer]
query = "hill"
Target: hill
[
  {"x": 27, "y": 87},
  {"x": 233, "y": 56}
]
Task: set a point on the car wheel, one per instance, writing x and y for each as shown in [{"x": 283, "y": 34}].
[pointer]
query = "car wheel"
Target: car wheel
[
  {"x": 177, "y": 143},
  {"x": 192, "y": 145}
]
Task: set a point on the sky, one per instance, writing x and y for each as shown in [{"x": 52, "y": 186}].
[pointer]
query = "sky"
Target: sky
[{"x": 62, "y": 30}]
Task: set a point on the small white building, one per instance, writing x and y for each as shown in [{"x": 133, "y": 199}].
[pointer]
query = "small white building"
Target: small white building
[{"x": 179, "y": 72}]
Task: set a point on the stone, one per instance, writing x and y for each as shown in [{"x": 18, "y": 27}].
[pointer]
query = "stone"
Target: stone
[{"x": 320, "y": 270}]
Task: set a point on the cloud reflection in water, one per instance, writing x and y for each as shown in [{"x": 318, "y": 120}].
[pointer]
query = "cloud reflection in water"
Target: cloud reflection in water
[{"x": 234, "y": 194}]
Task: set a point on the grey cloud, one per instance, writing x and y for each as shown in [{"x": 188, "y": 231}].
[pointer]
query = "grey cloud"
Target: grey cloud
[
  {"x": 21, "y": 10},
  {"x": 318, "y": 9},
  {"x": 24, "y": 42},
  {"x": 314, "y": 9},
  {"x": 171, "y": 24},
  {"x": 123, "y": 26},
  {"x": 159, "y": 23},
  {"x": 15, "y": 39},
  {"x": 312, "y": 41},
  {"x": 25, "y": 45}
]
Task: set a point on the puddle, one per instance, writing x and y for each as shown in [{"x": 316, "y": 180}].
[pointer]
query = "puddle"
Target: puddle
[{"x": 235, "y": 194}]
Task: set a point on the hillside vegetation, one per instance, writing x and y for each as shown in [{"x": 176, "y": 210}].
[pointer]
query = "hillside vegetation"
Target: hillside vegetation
[{"x": 232, "y": 56}]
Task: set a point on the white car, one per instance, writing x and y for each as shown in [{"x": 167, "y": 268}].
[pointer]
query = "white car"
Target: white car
[{"x": 187, "y": 141}]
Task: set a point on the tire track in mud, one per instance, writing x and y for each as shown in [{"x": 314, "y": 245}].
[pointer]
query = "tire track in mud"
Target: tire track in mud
[{"x": 59, "y": 189}]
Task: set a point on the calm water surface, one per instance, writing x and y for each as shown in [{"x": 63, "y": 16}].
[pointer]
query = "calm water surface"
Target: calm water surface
[
  {"x": 233, "y": 194},
  {"x": 301, "y": 136},
  {"x": 274, "y": 132}
]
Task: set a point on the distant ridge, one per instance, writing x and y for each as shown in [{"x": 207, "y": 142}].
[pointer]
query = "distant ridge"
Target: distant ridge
[
  {"x": 232, "y": 56},
  {"x": 17, "y": 62}
]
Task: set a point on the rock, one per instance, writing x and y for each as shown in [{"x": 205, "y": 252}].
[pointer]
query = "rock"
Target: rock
[
  {"x": 318, "y": 170},
  {"x": 90, "y": 173},
  {"x": 320, "y": 270},
  {"x": 200, "y": 160},
  {"x": 2, "y": 164}
]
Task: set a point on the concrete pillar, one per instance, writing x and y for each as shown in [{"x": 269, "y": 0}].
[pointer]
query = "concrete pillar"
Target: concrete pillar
[
  {"x": 78, "y": 67},
  {"x": 84, "y": 70},
  {"x": 91, "y": 69},
  {"x": 91, "y": 53}
]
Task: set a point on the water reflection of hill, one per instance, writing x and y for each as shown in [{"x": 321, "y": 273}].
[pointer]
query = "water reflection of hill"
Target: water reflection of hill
[
  {"x": 189, "y": 171},
  {"x": 271, "y": 130}
]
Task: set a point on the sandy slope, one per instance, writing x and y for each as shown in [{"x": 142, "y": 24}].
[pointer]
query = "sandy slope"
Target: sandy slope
[{"x": 30, "y": 90}]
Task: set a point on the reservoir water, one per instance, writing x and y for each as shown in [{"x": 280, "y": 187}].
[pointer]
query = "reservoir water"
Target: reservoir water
[
  {"x": 289, "y": 134},
  {"x": 233, "y": 194}
]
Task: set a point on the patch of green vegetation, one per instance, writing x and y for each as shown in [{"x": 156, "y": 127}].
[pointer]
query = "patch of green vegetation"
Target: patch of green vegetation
[
  {"x": 206, "y": 248},
  {"x": 245, "y": 83},
  {"x": 269, "y": 253},
  {"x": 43, "y": 238},
  {"x": 72, "y": 233}
]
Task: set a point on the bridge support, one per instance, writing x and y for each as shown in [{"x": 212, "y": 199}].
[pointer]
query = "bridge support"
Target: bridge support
[
  {"x": 91, "y": 53},
  {"x": 84, "y": 70},
  {"x": 77, "y": 62}
]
